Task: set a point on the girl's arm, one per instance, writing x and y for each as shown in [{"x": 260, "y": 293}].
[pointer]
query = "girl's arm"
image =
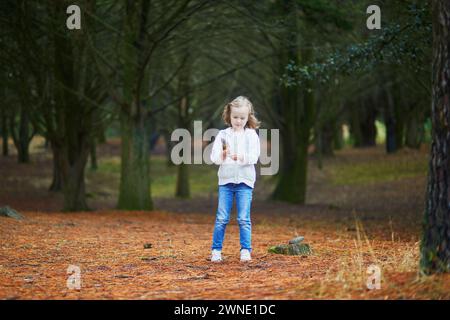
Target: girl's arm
[
  {"x": 217, "y": 151},
  {"x": 254, "y": 150}
]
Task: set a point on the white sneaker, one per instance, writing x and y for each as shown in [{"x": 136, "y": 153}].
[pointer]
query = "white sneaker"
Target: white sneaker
[
  {"x": 216, "y": 255},
  {"x": 245, "y": 255}
]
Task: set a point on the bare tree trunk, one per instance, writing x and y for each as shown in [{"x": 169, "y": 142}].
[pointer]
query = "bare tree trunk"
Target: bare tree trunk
[
  {"x": 73, "y": 180},
  {"x": 75, "y": 115},
  {"x": 134, "y": 190},
  {"x": 182, "y": 186},
  {"x": 297, "y": 108},
  {"x": 21, "y": 135},
  {"x": 57, "y": 181},
  {"x": 93, "y": 155},
  {"x": 4, "y": 125},
  {"x": 389, "y": 119},
  {"x": 135, "y": 165},
  {"x": 435, "y": 245}
]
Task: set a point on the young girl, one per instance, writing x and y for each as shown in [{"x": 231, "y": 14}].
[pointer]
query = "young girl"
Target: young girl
[{"x": 236, "y": 149}]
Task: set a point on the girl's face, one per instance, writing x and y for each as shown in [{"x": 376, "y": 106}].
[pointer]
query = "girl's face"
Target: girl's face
[{"x": 239, "y": 117}]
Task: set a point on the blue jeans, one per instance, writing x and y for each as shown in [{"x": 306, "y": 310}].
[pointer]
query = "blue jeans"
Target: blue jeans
[{"x": 243, "y": 195}]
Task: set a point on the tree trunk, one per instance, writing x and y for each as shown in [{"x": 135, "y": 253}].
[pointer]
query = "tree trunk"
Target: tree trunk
[
  {"x": 75, "y": 115},
  {"x": 169, "y": 145},
  {"x": 57, "y": 180},
  {"x": 291, "y": 184},
  {"x": 183, "y": 189},
  {"x": 134, "y": 191},
  {"x": 24, "y": 137},
  {"x": 292, "y": 178},
  {"x": 21, "y": 136},
  {"x": 435, "y": 244},
  {"x": 414, "y": 129},
  {"x": 74, "y": 181},
  {"x": 297, "y": 114},
  {"x": 135, "y": 176},
  {"x": 399, "y": 125},
  {"x": 363, "y": 127},
  {"x": 355, "y": 128},
  {"x": 4, "y": 125},
  {"x": 389, "y": 120},
  {"x": 368, "y": 128},
  {"x": 93, "y": 155},
  {"x": 325, "y": 139},
  {"x": 101, "y": 137},
  {"x": 338, "y": 138}
]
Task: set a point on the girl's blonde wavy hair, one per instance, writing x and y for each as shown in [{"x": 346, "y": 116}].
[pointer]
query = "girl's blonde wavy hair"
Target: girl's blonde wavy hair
[{"x": 238, "y": 102}]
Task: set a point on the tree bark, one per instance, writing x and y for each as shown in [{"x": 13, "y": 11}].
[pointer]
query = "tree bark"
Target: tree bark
[
  {"x": 325, "y": 138},
  {"x": 24, "y": 137},
  {"x": 389, "y": 120},
  {"x": 74, "y": 179},
  {"x": 21, "y": 135},
  {"x": 435, "y": 244},
  {"x": 355, "y": 128},
  {"x": 74, "y": 117},
  {"x": 338, "y": 138},
  {"x": 57, "y": 180},
  {"x": 4, "y": 125},
  {"x": 93, "y": 155},
  {"x": 298, "y": 115},
  {"x": 362, "y": 127},
  {"x": 169, "y": 145},
  {"x": 134, "y": 191},
  {"x": 368, "y": 128},
  {"x": 182, "y": 187},
  {"x": 399, "y": 124}
]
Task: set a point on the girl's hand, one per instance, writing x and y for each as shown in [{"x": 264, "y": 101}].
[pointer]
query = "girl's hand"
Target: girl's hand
[
  {"x": 235, "y": 157},
  {"x": 225, "y": 152}
]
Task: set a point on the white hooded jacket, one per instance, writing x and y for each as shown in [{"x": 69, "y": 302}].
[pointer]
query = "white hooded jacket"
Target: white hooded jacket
[{"x": 246, "y": 144}]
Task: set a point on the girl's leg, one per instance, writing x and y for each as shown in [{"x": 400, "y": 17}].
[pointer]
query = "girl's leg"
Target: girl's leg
[
  {"x": 244, "y": 195},
  {"x": 225, "y": 203}
]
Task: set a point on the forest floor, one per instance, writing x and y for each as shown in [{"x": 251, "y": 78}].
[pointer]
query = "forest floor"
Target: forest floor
[{"x": 364, "y": 210}]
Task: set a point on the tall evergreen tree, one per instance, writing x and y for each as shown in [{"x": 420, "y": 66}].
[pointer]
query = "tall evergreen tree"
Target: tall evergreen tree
[{"x": 435, "y": 245}]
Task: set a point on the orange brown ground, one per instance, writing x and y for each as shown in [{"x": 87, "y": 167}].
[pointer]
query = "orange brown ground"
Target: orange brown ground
[{"x": 348, "y": 227}]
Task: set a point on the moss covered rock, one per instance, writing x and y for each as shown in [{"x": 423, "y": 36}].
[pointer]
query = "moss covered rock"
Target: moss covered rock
[
  {"x": 9, "y": 212},
  {"x": 292, "y": 249}
]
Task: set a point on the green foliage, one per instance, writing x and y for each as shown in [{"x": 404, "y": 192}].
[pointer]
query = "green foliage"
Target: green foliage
[{"x": 398, "y": 43}]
